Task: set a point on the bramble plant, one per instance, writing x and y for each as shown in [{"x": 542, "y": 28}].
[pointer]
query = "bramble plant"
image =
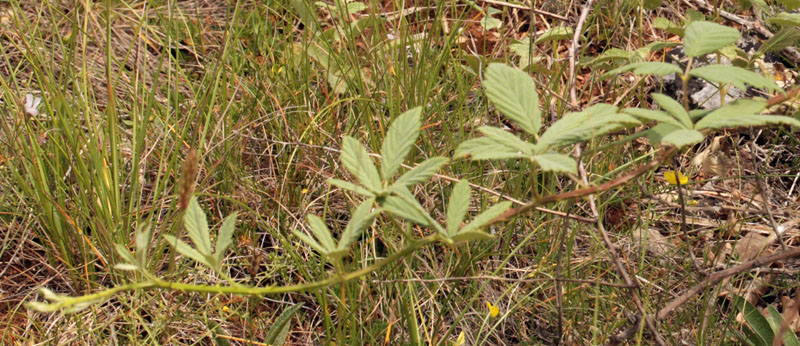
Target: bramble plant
[{"x": 387, "y": 190}]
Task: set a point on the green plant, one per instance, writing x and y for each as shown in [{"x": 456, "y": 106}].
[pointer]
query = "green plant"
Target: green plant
[
  {"x": 761, "y": 330},
  {"x": 387, "y": 191}
]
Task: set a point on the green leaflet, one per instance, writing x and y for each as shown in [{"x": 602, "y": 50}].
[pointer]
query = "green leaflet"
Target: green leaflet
[
  {"x": 186, "y": 250},
  {"x": 555, "y": 162},
  {"x": 321, "y": 232},
  {"x": 740, "y": 113},
  {"x": 676, "y": 136},
  {"x": 487, "y": 215},
  {"x": 508, "y": 140},
  {"x": 735, "y": 76},
  {"x": 581, "y": 126},
  {"x": 485, "y": 148},
  {"x": 360, "y": 219},
  {"x": 554, "y": 34},
  {"x": 403, "y": 204},
  {"x": 350, "y": 187},
  {"x": 225, "y": 236},
  {"x": 356, "y": 160},
  {"x": 653, "y": 115},
  {"x": 399, "y": 140},
  {"x": 197, "y": 226},
  {"x": 674, "y": 108},
  {"x": 422, "y": 172},
  {"x": 648, "y": 68},
  {"x": 703, "y": 37},
  {"x": 785, "y": 19},
  {"x": 513, "y": 92},
  {"x": 279, "y": 329},
  {"x": 457, "y": 207}
]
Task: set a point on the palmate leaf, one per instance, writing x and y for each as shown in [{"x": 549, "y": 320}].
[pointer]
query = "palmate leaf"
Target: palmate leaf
[
  {"x": 673, "y": 135},
  {"x": 485, "y": 148},
  {"x": 422, "y": 172},
  {"x": 357, "y": 161},
  {"x": 360, "y": 219},
  {"x": 646, "y": 68},
  {"x": 555, "y": 162},
  {"x": 197, "y": 226},
  {"x": 742, "y": 113},
  {"x": 703, "y": 37},
  {"x": 513, "y": 92},
  {"x": 735, "y": 76},
  {"x": 581, "y": 126},
  {"x": 674, "y": 108},
  {"x": 399, "y": 140},
  {"x": 457, "y": 206}
]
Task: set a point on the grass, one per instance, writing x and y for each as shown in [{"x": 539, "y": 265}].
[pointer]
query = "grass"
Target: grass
[{"x": 264, "y": 91}]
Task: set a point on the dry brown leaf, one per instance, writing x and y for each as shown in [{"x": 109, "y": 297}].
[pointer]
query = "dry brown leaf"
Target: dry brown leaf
[{"x": 655, "y": 244}]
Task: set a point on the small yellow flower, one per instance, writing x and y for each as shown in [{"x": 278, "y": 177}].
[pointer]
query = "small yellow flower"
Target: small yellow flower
[
  {"x": 225, "y": 309},
  {"x": 304, "y": 191},
  {"x": 670, "y": 177},
  {"x": 493, "y": 310}
]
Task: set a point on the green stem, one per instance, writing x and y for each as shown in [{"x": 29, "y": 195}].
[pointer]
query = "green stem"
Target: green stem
[{"x": 157, "y": 283}]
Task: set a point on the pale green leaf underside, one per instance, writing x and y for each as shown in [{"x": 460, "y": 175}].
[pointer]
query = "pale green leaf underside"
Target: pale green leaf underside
[
  {"x": 186, "y": 250},
  {"x": 645, "y": 68},
  {"x": 399, "y": 140},
  {"x": 703, "y": 37},
  {"x": 581, "y": 126},
  {"x": 483, "y": 218},
  {"x": 785, "y": 19},
  {"x": 225, "y": 236},
  {"x": 507, "y": 139},
  {"x": 321, "y": 231},
  {"x": 555, "y": 162},
  {"x": 742, "y": 112},
  {"x": 350, "y": 187},
  {"x": 357, "y": 161},
  {"x": 555, "y": 33},
  {"x": 311, "y": 242},
  {"x": 652, "y": 115},
  {"x": 471, "y": 236},
  {"x": 197, "y": 226},
  {"x": 403, "y": 204},
  {"x": 513, "y": 92},
  {"x": 422, "y": 172},
  {"x": 735, "y": 76},
  {"x": 457, "y": 206},
  {"x": 674, "y": 108},
  {"x": 672, "y": 135},
  {"x": 360, "y": 219},
  {"x": 485, "y": 148}
]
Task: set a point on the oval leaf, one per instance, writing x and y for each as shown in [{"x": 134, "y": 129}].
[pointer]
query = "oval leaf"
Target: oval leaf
[
  {"x": 705, "y": 37},
  {"x": 735, "y": 76},
  {"x": 513, "y": 92},
  {"x": 398, "y": 142}
]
